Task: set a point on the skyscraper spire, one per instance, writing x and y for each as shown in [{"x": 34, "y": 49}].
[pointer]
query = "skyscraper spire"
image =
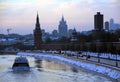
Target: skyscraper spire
[
  {"x": 37, "y": 18},
  {"x": 62, "y": 17},
  {"x": 37, "y": 22}
]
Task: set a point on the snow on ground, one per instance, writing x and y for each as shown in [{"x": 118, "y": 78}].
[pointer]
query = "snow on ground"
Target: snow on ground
[
  {"x": 115, "y": 74},
  {"x": 94, "y": 54},
  {"x": 103, "y": 55}
]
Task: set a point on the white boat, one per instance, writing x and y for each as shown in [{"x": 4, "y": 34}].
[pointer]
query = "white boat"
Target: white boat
[{"x": 21, "y": 64}]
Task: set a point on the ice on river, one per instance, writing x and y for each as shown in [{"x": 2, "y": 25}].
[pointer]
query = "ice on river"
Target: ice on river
[
  {"x": 9, "y": 76},
  {"x": 46, "y": 71},
  {"x": 47, "y": 75}
]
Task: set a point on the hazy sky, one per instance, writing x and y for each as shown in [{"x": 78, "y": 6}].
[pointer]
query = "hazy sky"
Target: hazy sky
[{"x": 20, "y": 15}]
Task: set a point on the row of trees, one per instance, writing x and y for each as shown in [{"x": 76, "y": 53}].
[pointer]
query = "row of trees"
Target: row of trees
[
  {"x": 94, "y": 47},
  {"x": 100, "y": 35},
  {"x": 19, "y": 46},
  {"x": 91, "y": 36},
  {"x": 101, "y": 47},
  {"x": 95, "y": 41}
]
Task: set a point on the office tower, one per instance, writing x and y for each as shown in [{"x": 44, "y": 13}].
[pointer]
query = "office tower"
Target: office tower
[
  {"x": 98, "y": 21},
  {"x": 111, "y": 24}
]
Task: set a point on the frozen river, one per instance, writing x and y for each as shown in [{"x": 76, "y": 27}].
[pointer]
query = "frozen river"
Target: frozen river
[{"x": 46, "y": 71}]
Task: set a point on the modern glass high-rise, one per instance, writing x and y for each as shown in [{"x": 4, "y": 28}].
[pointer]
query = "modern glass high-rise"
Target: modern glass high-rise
[
  {"x": 63, "y": 28},
  {"x": 98, "y": 21},
  {"x": 111, "y": 24}
]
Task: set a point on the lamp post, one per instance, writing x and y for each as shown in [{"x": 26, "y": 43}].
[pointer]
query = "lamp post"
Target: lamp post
[
  {"x": 98, "y": 54},
  {"x": 116, "y": 61},
  {"x": 98, "y": 57}
]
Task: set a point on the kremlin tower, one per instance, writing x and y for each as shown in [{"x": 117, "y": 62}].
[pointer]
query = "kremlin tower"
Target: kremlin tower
[{"x": 37, "y": 34}]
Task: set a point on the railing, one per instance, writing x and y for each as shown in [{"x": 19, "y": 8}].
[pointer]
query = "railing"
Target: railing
[
  {"x": 111, "y": 59},
  {"x": 102, "y": 58}
]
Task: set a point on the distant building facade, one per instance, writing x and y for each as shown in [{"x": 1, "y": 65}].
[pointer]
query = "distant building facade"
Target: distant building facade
[
  {"x": 113, "y": 25},
  {"x": 98, "y": 21},
  {"x": 54, "y": 33},
  {"x": 72, "y": 45},
  {"x": 70, "y": 31},
  {"x": 106, "y": 25},
  {"x": 63, "y": 28},
  {"x": 37, "y": 34},
  {"x": 74, "y": 37}
]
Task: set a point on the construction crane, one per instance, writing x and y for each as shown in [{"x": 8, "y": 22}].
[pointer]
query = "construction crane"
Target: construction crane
[{"x": 8, "y": 30}]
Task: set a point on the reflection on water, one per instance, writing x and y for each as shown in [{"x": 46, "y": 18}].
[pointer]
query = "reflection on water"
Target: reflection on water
[
  {"x": 38, "y": 63},
  {"x": 53, "y": 65},
  {"x": 45, "y": 71}
]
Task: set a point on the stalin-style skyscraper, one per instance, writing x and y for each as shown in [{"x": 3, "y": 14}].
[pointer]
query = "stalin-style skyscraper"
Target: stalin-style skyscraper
[{"x": 62, "y": 28}]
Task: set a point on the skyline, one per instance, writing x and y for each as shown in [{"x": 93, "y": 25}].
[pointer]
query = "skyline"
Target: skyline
[{"x": 19, "y": 15}]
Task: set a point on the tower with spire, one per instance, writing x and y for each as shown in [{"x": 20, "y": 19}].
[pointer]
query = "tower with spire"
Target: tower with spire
[
  {"x": 62, "y": 28},
  {"x": 37, "y": 34},
  {"x": 74, "y": 37}
]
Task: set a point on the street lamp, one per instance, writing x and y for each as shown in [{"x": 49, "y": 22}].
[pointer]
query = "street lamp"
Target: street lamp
[
  {"x": 116, "y": 61},
  {"x": 98, "y": 54},
  {"x": 98, "y": 57}
]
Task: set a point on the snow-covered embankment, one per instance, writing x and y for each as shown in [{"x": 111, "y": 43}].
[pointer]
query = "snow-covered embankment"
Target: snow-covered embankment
[{"x": 115, "y": 74}]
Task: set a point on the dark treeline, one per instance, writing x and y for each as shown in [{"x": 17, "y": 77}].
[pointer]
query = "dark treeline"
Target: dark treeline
[
  {"x": 94, "y": 41},
  {"x": 91, "y": 36},
  {"x": 100, "y": 36},
  {"x": 101, "y": 47}
]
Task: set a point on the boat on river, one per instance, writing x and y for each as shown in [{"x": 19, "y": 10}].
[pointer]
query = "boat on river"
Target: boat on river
[{"x": 21, "y": 64}]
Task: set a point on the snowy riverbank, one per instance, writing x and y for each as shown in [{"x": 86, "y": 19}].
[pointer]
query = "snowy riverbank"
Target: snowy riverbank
[{"x": 115, "y": 74}]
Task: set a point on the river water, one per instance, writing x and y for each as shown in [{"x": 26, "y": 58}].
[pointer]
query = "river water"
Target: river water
[{"x": 46, "y": 71}]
